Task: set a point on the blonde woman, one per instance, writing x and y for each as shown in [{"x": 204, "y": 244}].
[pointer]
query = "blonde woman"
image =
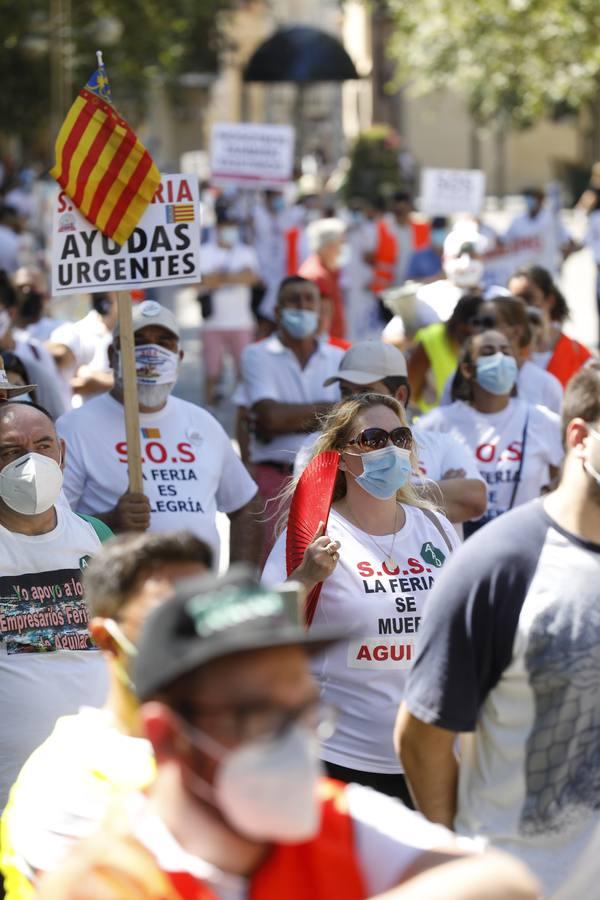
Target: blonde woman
[{"x": 383, "y": 551}]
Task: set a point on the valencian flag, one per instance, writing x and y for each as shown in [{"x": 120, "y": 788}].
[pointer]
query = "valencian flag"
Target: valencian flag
[{"x": 100, "y": 163}]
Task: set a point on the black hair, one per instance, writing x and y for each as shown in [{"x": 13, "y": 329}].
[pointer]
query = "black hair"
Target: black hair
[
  {"x": 30, "y": 303},
  {"x": 123, "y": 560},
  {"x": 291, "y": 279},
  {"x": 465, "y": 310},
  {"x": 8, "y": 295},
  {"x": 101, "y": 303},
  {"x": 402, "y": 197},
  {"x": 543, "y": 280},
  {"x": 439, "y": 222}
]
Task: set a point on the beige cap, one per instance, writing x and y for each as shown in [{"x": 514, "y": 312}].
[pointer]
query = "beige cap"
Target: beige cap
[
  {"x": 370, "y": 361},
  {"x": 149, "y": 312},
  {"x": 12, "y": 390}
]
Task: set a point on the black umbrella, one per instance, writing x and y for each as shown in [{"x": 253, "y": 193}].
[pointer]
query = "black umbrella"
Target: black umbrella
[{"x": 300, "y": 54}]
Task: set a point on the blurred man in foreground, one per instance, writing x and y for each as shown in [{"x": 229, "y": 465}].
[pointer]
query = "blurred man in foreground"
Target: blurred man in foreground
[{"x": 239, "y": 806}]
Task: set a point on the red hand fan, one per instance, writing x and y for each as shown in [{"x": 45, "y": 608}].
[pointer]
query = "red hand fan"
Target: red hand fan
[{"x": 310, "y": 505}]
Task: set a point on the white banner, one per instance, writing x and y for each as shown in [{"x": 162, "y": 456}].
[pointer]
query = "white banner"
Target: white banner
[
  {"x": 448, "y": 191},
  {"x": 252, "y": 156},
  {"x": 164, "y": 248},
  {"x": 505, "y": 259}
]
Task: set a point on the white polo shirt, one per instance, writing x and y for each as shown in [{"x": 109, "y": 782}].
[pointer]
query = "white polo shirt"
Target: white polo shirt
[{"x": 270, "y": 371}]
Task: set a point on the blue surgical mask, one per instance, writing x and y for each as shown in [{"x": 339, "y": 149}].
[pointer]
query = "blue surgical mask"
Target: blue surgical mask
[
  {"x": 438, "y": 236},
  {"x": 278, "y": 203},
  {"x": 385, "y": 471},
  {"x": 496, "y": 374},
  {"x": 299, "y": 323}
]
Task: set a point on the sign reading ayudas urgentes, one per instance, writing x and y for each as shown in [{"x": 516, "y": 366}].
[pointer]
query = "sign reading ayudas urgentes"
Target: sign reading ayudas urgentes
[{"x": 164, "y": 248}]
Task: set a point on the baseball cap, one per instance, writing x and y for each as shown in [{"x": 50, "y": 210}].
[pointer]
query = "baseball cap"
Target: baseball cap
[
  {"x": 12, "y": 390},
  {"x": 149, "y": 312},
  {"x": 209, "y": 617},
  {"x": 369, "y": 361}
]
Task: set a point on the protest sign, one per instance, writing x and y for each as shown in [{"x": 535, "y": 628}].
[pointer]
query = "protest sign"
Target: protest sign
[
  {"x": 448, "y": 191},
  {"x": 252, "y": 156},
  {"x": 164, "y": 248}
]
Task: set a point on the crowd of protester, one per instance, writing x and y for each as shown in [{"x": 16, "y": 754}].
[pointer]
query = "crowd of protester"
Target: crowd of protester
[{"x": 174, "y": 726}]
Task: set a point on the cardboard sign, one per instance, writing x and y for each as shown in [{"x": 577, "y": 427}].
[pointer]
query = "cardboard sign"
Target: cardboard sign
[
  {"x": 448, "y": 191},
  {"x": 252, "y": 156},
  {"x": 164, "y": 248}
]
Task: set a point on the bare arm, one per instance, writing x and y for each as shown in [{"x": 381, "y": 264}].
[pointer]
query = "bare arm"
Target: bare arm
[
  {"x": 246, "y": 533},
  {"x": 273, "y": 417},
  {"x": 427, "y": 754},
  {"x": 463, "y": 498},
  {"x": 495, "y": 876}
]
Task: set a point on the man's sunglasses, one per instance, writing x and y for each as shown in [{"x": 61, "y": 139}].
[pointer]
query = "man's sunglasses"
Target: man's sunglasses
[{"x": 377, "y": 438}]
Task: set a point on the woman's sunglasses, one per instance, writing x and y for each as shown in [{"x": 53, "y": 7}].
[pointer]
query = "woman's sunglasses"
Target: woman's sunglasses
[{"x": 377, "y": 438}]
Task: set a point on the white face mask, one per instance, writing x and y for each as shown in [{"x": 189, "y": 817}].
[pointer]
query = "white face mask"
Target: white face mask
[
  {"x": 31, "y": 484},
  {"x": 267, "y": 790},
  {"x": 5, "y": 322},
  {"x": 464, "y": 272},
  {"x": 157, "y": 369}
]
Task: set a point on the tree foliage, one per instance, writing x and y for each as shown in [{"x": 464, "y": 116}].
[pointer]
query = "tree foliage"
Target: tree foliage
[
  {"x": 521, "y": 58},
  {"x": 157, "y": 37},
  {"x": 374, "y": 171}
]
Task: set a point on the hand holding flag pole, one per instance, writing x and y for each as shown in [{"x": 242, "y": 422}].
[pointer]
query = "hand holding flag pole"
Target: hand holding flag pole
[{"x": 111, "y": 178}]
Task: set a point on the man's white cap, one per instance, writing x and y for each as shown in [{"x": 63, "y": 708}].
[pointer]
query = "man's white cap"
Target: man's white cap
[
  {"x": 465, "y": 233},
  {"x": 149, "y": 312},
  {"x": 13, "y": 390},
  {"x": 323, "y": 232},
  {"x": 370, "y": 361}
]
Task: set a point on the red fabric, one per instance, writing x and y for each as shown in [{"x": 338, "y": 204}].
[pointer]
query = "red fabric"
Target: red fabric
[
  {"x": 386, "y": 252},
  {"x": 568, "y": 358},
  {"x": 421, "y": 234},
  {"x": 292, "y": 240},
  {"x": 325, "y": 868},
  {"x": 339, "y": 342},
  {"x": 328, "y": 283}
]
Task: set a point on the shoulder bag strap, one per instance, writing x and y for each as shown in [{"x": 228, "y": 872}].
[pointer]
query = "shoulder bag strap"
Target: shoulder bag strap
[{"x": 436, "y": 522}]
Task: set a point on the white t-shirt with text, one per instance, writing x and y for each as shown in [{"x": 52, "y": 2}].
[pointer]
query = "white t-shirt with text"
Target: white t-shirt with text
[
  {"x": 363, "y": 678},
  {"x": 49, "y": 666},
  {"x": 496, "y": 439},
  {"x": 189, "y": 466}
]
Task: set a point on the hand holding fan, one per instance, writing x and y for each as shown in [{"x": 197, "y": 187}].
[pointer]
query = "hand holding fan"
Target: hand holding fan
[{"x": 309, "y": 508}]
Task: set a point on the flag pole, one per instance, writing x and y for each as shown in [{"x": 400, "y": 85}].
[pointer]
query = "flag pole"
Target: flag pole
[{"x": 130, "y": 393}]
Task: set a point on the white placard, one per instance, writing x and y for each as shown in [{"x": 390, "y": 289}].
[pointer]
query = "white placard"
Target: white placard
[
  {"x": 252, "y": 156},
  {"x": 448, "y": 191},
  {"x": 164, "y": 248}
]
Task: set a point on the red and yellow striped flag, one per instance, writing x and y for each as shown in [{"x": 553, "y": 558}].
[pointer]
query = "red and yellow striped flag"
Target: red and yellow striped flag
[{"x": 101, "y": 164}]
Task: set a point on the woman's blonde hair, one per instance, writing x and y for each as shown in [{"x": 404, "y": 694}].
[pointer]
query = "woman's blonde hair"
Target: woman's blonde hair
[{"x": 336, "y": 430}]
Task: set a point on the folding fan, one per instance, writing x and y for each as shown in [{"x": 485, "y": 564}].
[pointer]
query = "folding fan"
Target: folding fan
[{"x": 310, "y": 505}]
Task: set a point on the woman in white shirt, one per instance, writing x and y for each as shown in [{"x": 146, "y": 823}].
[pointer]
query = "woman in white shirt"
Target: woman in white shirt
[
  {"x": 382, "y": 553},
  {"x": 517, "y": 444}
]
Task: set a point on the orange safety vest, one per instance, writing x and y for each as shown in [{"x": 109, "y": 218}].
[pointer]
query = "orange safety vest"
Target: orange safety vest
[
  {"x": 292, "y": 245},
  {"x": 385, "y": 254},
  {"x": 120, "y": 867},
  {"x": 568, "y": 358},
  {"x": 421, "y": 234}
]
